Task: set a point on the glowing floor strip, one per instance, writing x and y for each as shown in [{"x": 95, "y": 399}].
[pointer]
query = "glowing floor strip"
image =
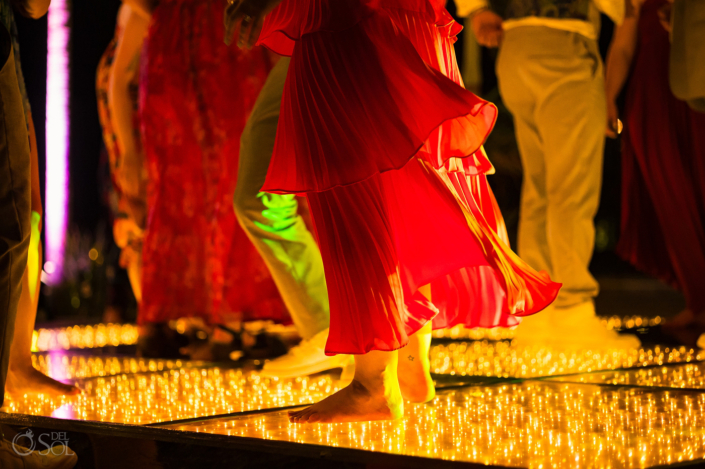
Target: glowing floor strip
[
  {"x": 82, "y": 337},
  {"x": 57, "y": 138},
  {"x": 113, "y": 335}
]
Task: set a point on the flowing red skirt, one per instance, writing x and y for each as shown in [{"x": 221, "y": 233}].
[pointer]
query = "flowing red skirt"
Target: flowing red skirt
[
  {"x": 379, "y": 134},
  {"x": 196, "y": 95}
]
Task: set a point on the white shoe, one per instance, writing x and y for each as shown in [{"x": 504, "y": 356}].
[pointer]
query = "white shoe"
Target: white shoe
[
  {"x": 534, "y": 329},
  {"x": 305, "y": 359},
  {"x": 19, "y": 457},
  {"x": 579, "y": 327},
  {"x": 576, "y": 327}
]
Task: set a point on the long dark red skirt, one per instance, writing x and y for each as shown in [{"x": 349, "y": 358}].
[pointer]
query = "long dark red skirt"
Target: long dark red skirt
[{"x": 663, "y": 171}]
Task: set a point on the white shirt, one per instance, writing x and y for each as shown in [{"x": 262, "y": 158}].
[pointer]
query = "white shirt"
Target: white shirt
[{"x": 590, "y": 28}]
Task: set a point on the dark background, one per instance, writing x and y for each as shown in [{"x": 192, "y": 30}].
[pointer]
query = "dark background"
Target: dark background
[{"x": 92, "y": 25}]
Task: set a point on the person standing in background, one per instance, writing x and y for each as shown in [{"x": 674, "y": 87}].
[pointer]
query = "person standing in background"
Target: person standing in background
[
  {"x": 117, "y": 84},
  {"x": 663, "y": 166},
  {"x": 15, "y": 198},
  {"x": 550, "y": 77},
  {"x": 15, "y": 220},
  {"x": 275, "y": 227},
  {"x": 195, "y": 97},
  {"x": 22, "y": 377}
]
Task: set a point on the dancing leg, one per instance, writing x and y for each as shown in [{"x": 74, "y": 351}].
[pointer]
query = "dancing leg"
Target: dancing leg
[
  {"x": 567, "y": 156},
  {"x": 533, "y": 222},
  {"x": 15, "y": 208},
  {"x": 415, "y": 365},
  {"x": 279, "y": 233},
  {"x": 22, "y": 377},
  {"x": 271, "y": 220},
  {"x": 374, "y": 394}
]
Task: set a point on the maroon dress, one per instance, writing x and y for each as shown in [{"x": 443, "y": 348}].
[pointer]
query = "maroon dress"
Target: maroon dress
[
  {"x": 196, "y": 96},
  {"x": 663, "y": 171}
]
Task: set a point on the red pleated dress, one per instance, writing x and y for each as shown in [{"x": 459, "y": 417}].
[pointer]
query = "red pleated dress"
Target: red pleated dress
[
  {"x": 196, "y": 95},
  {"x": 378, "y": 132}
]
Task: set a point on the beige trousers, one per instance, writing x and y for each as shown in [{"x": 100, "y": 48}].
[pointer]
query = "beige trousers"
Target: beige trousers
[
  {"x": 552, "y": 82},
  {"x": 272, "y": 221}
]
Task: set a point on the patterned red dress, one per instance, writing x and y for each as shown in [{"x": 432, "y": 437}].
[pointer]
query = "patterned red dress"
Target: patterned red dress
[
  {"x": 387, "y": 146},
  {"x": 663, "y": 170},
  {"x": 196, "y": 94}
]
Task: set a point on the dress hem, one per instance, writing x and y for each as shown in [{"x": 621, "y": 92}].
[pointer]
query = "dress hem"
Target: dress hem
[{"x": 554, "y": 296}]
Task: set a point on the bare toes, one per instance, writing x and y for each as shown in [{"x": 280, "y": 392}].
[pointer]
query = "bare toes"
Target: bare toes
[
  {"x": 295, "y": 416},
  {"x": 304, "y": 416},
  {"x": 296, "y": 413}
]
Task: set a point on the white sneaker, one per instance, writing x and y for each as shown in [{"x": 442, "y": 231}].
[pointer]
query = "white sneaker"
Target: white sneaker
[
  {"x": 305, "y": 359},
  {"x": 534, "y": 330},
  {"x": 576, "y": 327},
  {"x": 579, "y": 327},
  {"x": 19, "y": 457}
]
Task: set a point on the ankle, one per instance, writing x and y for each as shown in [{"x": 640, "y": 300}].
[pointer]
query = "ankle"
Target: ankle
[
  {"x": 360, "y": 387},
  {"x": 377, "y": 378},
  {"x": 20, "y": 367},
  {"x": 368, "y": 387}
]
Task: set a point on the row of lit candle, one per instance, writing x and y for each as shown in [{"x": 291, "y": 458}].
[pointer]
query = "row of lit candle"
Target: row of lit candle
[{"x": 104, "y": 335}]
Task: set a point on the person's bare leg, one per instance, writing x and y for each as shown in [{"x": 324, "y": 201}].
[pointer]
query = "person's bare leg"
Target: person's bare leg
[
  {"x": 22, "y": 377},
  {"x": 414, "y": 368},
  {"x": 414, "y": 364},
  {"x": 373, "y": 394}
]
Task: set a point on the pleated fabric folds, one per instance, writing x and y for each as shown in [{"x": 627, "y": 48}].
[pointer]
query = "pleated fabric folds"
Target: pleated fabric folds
[
  {"x": 375, "y": 99},
  {"x": 378, "y": 132}
]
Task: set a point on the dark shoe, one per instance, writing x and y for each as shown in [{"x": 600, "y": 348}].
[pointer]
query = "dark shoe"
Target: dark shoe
[
  {"x": 669, "y": 336},
  {"x": 158, "y": 340}
]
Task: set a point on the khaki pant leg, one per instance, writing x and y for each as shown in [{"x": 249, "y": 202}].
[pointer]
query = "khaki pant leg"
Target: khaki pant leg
[
  {"x": 272, "y": 221},
  {"x": 15, "y": 207},
  {"x": 520, "y": 99},
  {"x": 562, "y": 73}
]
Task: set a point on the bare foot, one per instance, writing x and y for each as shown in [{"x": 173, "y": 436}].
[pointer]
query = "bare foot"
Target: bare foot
[
  {"x": 32, "y": 381},
  {"x": 415, "y": 377},
  {"x": 354, "y": 403},
  {"x": 682, "y": 319}
]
